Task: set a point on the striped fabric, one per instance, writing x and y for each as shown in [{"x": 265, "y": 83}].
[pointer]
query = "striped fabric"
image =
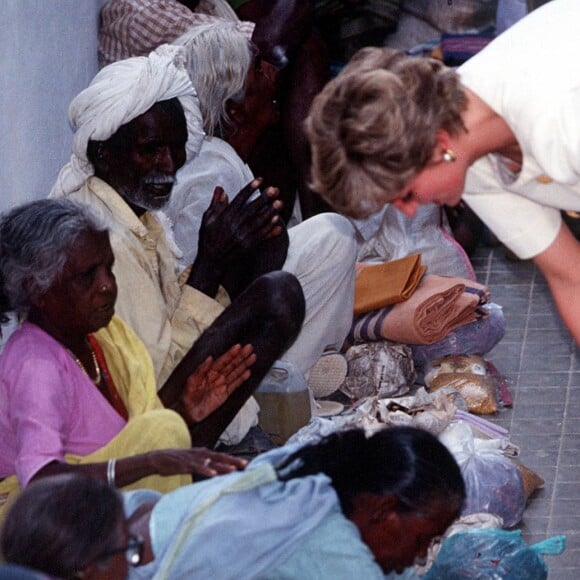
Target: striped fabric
[{"x": 439, "y": 305}]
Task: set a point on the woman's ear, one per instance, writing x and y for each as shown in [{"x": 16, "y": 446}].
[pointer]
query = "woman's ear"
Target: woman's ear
[{"x": 443, "y": 144}]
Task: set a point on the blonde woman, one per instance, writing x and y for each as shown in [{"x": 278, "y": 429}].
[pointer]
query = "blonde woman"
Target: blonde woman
[{"x": 501, "y": 132}]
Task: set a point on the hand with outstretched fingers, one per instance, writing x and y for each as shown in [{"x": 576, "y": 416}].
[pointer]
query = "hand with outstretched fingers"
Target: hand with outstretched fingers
[
  {"x": 197, "y": 460},
  {"x": 209, "y": 386}
]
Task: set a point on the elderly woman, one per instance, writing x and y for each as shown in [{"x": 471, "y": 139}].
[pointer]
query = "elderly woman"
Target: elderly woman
[
  {"x": 500, "y": 131},
  {"x": 77, "y": 388},
  {"x": 347, "y": 507}
]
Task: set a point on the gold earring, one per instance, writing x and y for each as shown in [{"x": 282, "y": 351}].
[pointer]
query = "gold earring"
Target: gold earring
[{"x": 449, "y": 156}]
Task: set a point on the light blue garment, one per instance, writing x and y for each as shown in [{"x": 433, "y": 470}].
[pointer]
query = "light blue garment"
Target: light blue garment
[
  {"x": 248, "y": 525},
  {"x": 333, "y": 551}
]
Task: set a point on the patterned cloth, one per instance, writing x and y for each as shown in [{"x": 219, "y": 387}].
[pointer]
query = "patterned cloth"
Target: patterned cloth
[{"x": 136, "y": 27}]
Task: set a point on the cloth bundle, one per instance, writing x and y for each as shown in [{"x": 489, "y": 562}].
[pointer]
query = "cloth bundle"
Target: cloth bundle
[
  {"x": 438, "y": 305},
  {"x": 379, "y": 285}
]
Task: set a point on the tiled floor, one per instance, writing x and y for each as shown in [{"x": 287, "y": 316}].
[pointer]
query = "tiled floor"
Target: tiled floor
[{"x": 542, "y": 365}]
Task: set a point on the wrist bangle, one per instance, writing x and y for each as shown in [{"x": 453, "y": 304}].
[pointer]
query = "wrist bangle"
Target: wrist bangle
[{"x": 111, "y": 472}]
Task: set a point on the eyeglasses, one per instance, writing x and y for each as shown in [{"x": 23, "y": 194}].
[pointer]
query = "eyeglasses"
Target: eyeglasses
[{"x": 133, "y": 551}]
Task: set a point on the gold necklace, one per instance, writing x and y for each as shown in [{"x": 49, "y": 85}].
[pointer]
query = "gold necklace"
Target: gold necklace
[{"x": 98, "y": 376}]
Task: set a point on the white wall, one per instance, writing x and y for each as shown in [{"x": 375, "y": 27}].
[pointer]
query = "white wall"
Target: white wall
[{"x": 48, "y": 53}]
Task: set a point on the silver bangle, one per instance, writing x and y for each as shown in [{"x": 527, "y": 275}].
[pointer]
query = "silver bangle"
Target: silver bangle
[{"x": 111, "y": 472}]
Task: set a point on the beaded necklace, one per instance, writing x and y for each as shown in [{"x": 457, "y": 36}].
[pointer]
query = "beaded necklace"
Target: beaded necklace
[{"x": 98, "y": 375}]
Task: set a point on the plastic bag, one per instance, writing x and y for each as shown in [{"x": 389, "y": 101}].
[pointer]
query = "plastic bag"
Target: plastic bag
[
  {"x": 390, "y": 234},
  {"x": 484, "y": 554},
  {"x": 468, "y": 375},
  {"x": 478, "y": 338},
  {"x": 381, "y": 368},
  {"x": 493, "y": 482}
]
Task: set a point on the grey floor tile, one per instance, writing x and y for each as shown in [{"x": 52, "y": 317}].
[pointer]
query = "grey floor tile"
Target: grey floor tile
[
  {"x": 570, "y": 445},
  {"x": 527, "y": 427},
  {"x": 541, "y": 365},
  {"x": 538, "y": 411},
  {"x": 568, "y": 561},
  {"x": 505, "y": 349},
  {"x": 547, "y": 349},
  {"x": 569, "y": 473},
  {"x": 548, "y": 336},
  {"x": 564, "y": 524},
  {"x": 567, "y": 490},
  {"x": 505, "y": 277},
  {"x": 547, "y": 320},
  {"x": 544, "y": 379},
  {"x": 555, "y": 572},
  {"x": 539, "y": 396},
  {"x": 534, "y": 526},
  {"x": 555, "y": 363},
  {"x": 565, "y": 507}
]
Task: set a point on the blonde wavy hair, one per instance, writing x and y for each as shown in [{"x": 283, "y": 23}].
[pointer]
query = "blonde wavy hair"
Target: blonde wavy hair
[{"x": 374, "y": 126}]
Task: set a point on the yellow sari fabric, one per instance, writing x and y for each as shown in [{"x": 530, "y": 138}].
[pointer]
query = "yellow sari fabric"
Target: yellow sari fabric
[{"x": 150, "y": 427}]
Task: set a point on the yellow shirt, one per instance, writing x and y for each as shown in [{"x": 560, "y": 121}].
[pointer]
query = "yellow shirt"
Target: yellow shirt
[{"x": 166, "y": 314}]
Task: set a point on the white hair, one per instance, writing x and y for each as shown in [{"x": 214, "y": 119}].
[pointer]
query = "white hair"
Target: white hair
[{"x": 218, "y": 57}]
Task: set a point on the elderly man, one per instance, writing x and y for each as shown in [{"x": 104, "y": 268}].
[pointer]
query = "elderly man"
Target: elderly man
[
  {"x": 235, "y": 92},
  {"x": 284, "y": 34},
  {"x": 131, "y": 137}
]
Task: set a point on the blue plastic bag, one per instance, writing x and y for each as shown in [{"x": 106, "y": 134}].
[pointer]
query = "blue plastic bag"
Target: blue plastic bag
[{"x": 492, "y": 553}]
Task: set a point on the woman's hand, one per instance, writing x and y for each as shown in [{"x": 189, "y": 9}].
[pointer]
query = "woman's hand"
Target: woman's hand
[
  {"x": 197, "y": 460},
  {"x": 213, "y": 381}
]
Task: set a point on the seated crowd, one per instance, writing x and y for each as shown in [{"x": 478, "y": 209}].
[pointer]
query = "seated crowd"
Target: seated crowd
[{"x": 154, "y": 289}]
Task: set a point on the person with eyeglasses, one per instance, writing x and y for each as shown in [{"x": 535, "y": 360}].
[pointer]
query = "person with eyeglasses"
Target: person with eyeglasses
[{"x": 346, "y": 507}]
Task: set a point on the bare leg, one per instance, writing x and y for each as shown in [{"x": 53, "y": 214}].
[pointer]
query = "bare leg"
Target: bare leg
[{"x": 268, "y": 315}]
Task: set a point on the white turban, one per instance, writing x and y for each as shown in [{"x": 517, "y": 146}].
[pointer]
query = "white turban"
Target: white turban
[{"x": 118, "y": 94}]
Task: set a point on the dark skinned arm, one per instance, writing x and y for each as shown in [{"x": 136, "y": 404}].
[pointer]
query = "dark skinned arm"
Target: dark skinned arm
[
  {"x": 195, "y": 391},
  {"x": 231, "y": 233},
  {"x": 165, "y": 462}
]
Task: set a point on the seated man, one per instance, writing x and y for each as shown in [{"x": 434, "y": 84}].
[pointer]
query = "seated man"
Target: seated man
[
  {"x": 131, "y": 137},
  {"x": 235, "y": 99}
]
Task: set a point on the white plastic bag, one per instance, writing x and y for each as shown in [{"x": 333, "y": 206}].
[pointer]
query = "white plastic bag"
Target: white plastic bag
[{"x": 493, "y": 482}]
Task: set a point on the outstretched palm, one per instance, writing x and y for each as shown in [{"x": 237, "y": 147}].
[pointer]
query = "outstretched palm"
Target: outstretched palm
[{"x": 208, "y": 387}]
